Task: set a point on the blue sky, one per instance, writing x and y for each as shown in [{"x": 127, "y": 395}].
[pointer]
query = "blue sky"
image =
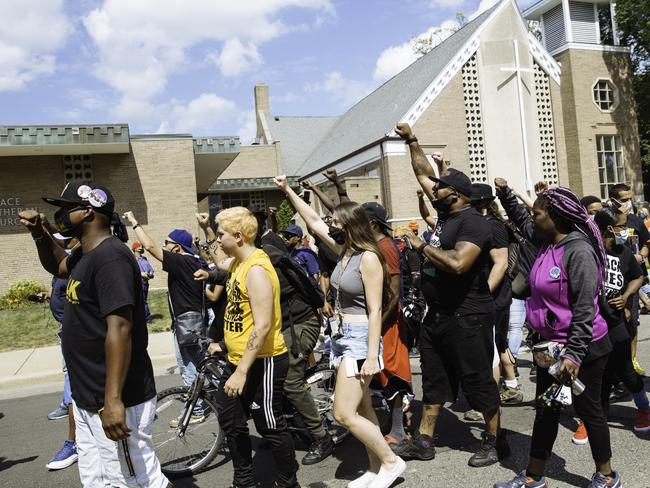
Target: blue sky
[{"x": 190, "y": 65}]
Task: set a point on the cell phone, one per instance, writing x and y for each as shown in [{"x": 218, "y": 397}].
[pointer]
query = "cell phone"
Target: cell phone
[{"x": 353, "y": 367}]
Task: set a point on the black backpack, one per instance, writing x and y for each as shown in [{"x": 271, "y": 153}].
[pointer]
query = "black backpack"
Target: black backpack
[
  {"x": 308, "y": 290},
  {"x": 521, "y": 257}
]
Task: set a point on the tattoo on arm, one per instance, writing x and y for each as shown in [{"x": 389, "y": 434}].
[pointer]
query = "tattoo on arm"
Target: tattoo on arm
[{"x": 250, "y": 345}]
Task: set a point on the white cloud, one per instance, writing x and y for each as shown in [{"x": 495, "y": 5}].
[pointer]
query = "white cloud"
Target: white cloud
[
  {"x": 235, "y": 57},
  {"x": 140, "y": 44},
  {"x": 200, "y": 116},
  {"x": 345, "y": 92},
  {"x": 395, "y": 58},
  {"x": 248, "y": 127},
  {"x": 31, "y": 32},
  {"x": 482, "y": 7},
  {"x": 446, "y": 3}
]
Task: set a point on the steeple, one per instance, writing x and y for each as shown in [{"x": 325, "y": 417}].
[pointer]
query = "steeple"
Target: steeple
[{"x": 566, "y": 24}]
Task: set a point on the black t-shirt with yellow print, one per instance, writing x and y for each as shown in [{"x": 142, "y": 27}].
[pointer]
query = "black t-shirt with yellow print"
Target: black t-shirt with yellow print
[{"x": 101, "y": 282}]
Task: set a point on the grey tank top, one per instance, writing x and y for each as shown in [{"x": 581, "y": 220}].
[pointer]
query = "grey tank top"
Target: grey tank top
[{"x": 348, "y": 286}]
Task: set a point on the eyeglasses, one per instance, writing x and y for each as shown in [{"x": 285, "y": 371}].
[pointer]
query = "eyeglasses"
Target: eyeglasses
[{"x": 167, "y": 243}]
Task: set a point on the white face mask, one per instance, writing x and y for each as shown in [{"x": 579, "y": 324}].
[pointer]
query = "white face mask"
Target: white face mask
[
  {"x": 625, "y": 207},
  {"x": 622, "y": 237}
]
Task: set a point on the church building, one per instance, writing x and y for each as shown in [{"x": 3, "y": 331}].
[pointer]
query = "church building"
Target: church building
[{"x": 495, "y": 98}]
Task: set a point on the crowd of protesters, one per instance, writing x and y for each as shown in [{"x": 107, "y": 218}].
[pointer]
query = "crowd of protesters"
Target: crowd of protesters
[{"x": 568, "y": 274}]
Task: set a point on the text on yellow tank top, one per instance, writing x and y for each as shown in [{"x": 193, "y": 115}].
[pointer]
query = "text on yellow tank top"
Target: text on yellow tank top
[{"x": 238, "y": 318}]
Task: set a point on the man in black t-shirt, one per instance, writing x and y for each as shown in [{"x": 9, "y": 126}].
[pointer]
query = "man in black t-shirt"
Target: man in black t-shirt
[
  {"x": 186, "y": 299},
  {"x": 104, "y": 340},
  {"x": 452, "y": 338}
]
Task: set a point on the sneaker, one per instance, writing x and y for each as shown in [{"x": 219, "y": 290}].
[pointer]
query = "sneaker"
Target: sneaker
[
  {"x": 490, "y": 451},
  {"x": 419, "y": 446},
  {"x": 619, "y": 392},
  {"x": 473, "y": 416},
  {"x": 194, "y": 419},
  {"x": 522, "y": 481},
  {"x": 599, "y": 480},
  {"x": 386, "y": 477},
  {"x": 637, "y": 367},
  {"x": 580, "y": 435},
  {"x": 61, "y": 412},
  {"x": 319, "y": 450},
  {"x": 362, "y": 481},
  {"x": 66, "y": 456},
  {"x": 511, "y": 396},
  {"x": 642, "y": 421}
]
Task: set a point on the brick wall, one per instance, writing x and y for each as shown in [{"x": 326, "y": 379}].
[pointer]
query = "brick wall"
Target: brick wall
[{"x": 156, "y": 181}]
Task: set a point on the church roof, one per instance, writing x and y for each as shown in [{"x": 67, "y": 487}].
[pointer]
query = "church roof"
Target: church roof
[
  {"x": 376, "y": 115},
  {"x": 298, "y": 136}
]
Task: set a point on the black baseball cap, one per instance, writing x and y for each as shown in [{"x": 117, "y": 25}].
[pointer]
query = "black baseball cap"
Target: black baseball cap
[
  {"x": 377, "y": 213},
  {"x": 481, "y": 192},
  {"x": 457, "y": 180},
  {"x": 83, "y": 192}
]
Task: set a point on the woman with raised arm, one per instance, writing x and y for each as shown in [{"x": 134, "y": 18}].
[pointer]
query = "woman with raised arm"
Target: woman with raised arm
[{"x": 360, "y": 283}]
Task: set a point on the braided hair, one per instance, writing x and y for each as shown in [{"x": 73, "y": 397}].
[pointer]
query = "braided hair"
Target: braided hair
[{"x": 562, "y": 203}]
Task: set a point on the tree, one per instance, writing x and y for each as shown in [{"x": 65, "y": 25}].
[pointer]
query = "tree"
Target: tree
[
  {"x": 424, "y": 43},
  {"x": 634, "y": 31},
  {"x": 285, "y": 215}
]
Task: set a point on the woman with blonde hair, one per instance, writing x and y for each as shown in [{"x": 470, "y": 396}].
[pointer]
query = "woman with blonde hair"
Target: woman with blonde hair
[{"x": 361, "y": 285}]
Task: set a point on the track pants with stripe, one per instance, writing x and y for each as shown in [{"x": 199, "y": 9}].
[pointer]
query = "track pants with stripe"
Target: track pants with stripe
[{"x": 262, "y": 398}]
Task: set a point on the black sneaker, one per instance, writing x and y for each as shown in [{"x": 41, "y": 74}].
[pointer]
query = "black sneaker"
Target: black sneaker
[
  {"x": 487, "y": 454},
  {"x": 619, "y": 392},
  {"x": 420, "y": 446},
  {"x": 319, "y": 450}
]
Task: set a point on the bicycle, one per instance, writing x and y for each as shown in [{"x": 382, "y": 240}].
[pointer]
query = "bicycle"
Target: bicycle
[{"x": 187, "y": 448}]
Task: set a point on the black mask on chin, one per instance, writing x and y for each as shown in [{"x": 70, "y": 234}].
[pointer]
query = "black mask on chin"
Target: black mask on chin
[
  {"x": 64, "y": 224},
  {"x": 443, "y": 205},
  {"x": 338, "y": 235}
]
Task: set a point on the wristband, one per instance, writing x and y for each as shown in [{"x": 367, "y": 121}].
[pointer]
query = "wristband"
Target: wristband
[
  {"x": 421, "y": 247},
  {"x": 210, "y": 242},
  {"x": 411, "y": 140},
  {"x": 39, "y": 238},
  {"x": 135, "y": 226}
]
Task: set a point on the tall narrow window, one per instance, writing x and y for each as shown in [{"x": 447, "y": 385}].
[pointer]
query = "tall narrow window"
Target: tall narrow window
[{"x": 610, "y": 162}]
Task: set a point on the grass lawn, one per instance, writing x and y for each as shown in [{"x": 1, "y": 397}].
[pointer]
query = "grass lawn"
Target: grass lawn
[{"x": 34, "y": 326}]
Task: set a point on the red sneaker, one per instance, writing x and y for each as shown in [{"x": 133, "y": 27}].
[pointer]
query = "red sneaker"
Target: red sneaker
[
  {"x": 642, "y": 421},
  {"x": 580, "y": 435}
]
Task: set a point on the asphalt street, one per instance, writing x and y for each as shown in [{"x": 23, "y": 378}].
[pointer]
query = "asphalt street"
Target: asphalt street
[{"x": 28, "y": 440}]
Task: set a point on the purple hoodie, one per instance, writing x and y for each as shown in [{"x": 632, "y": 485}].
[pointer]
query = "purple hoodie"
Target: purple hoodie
[{"x": 563, "y": 305}]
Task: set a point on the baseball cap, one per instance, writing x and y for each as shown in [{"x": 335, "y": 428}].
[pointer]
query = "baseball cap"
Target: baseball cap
[
  {"x": 457, "y": 180},
  {"x": 83, "y": 192},
  {"x": 481, "y": 192},
  {"x": 294, "y": 229},
  {"x": 137, "y": 246},
  {"x": 378, "y": 213},
  {"x": 182, "y": 238}
]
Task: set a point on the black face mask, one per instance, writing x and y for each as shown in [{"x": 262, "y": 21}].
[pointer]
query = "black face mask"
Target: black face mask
[
  {"x": 443, "y": 205},
  {"x": 338, "y": 235},
  {"x": 64, "y": 225}
]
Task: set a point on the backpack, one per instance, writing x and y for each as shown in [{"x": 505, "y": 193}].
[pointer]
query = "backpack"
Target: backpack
[
  {"x": 521, "y": 257},
  {"x": 308, "y": 290}
]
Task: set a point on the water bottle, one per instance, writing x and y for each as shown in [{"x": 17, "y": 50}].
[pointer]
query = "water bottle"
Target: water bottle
[{"x": 577, "y": 386}]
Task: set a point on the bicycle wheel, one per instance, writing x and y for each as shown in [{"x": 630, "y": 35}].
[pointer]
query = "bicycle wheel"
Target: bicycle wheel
[
  {"x": 183, "y": 455},
  {"x": 322, "y": 384}
]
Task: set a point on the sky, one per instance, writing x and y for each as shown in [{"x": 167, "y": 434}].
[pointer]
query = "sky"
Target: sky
[{"x": 189, "y": 66}]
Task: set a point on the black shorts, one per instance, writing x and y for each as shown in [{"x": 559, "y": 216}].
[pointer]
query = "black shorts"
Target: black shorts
[
  {"x": 453, "y": 352},
  {"x": 501, "y": 321}
]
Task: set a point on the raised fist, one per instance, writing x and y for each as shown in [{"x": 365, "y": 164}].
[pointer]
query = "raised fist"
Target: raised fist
[{"x": 404, "y": 130}]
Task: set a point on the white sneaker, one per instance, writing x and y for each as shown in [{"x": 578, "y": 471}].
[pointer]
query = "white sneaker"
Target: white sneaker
[
  {"x": 363, "y": 480},
  {"x": 194, "y": 419},
  {"x": 385, "y": 477}
]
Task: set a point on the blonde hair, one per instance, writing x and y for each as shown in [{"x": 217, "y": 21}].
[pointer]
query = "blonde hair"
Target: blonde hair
[{"x": 238, "y": 219}]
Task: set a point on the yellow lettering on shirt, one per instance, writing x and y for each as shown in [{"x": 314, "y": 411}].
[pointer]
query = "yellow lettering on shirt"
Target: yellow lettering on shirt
[{"x": 71, "y": 291}]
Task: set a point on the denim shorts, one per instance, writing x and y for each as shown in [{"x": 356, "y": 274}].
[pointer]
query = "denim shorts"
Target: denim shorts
[{"x": 352, "y": 341}]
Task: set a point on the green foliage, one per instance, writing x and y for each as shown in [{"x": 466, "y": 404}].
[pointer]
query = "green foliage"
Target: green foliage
[
  {"x": 285, "y": 214},
  {"x": 634, "y": 30},
  {"x": 17, "y": 296}
]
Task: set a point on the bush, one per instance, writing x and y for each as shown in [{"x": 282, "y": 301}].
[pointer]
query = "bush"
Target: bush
[{"x": 17, "y": 296}]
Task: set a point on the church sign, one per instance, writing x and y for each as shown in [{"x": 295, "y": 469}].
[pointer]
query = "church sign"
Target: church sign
[{"x": 10, "y": 206}]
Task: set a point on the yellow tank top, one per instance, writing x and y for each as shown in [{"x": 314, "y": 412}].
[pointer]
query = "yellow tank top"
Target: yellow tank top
[{"x": 238, "y": 318}]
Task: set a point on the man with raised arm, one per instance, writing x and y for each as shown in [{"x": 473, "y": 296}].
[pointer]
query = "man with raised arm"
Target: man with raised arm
[{"x": 453, "y": 345}]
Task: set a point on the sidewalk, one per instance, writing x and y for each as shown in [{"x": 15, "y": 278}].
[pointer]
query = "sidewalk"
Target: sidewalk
[{"x": 38, "y": 370}]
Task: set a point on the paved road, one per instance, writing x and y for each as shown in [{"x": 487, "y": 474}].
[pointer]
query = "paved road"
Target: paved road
[{"x": 28, "y": 440}]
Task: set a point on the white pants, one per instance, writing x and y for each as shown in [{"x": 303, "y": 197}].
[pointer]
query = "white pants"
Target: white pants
[{"x": 128, "y": 463}]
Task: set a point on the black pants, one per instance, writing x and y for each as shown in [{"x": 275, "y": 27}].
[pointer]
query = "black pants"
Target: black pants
[
  {"x": 619, "y": 368},
  {"x": 455, "y": 350},
  {"x": 587, "y": 406},
  {"x": 501, "y": 323},
  {"x": 262, "y": 396}
]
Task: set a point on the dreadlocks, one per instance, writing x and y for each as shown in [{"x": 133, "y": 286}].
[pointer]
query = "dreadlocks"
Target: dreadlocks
[{"x": 563, "y": 203}]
